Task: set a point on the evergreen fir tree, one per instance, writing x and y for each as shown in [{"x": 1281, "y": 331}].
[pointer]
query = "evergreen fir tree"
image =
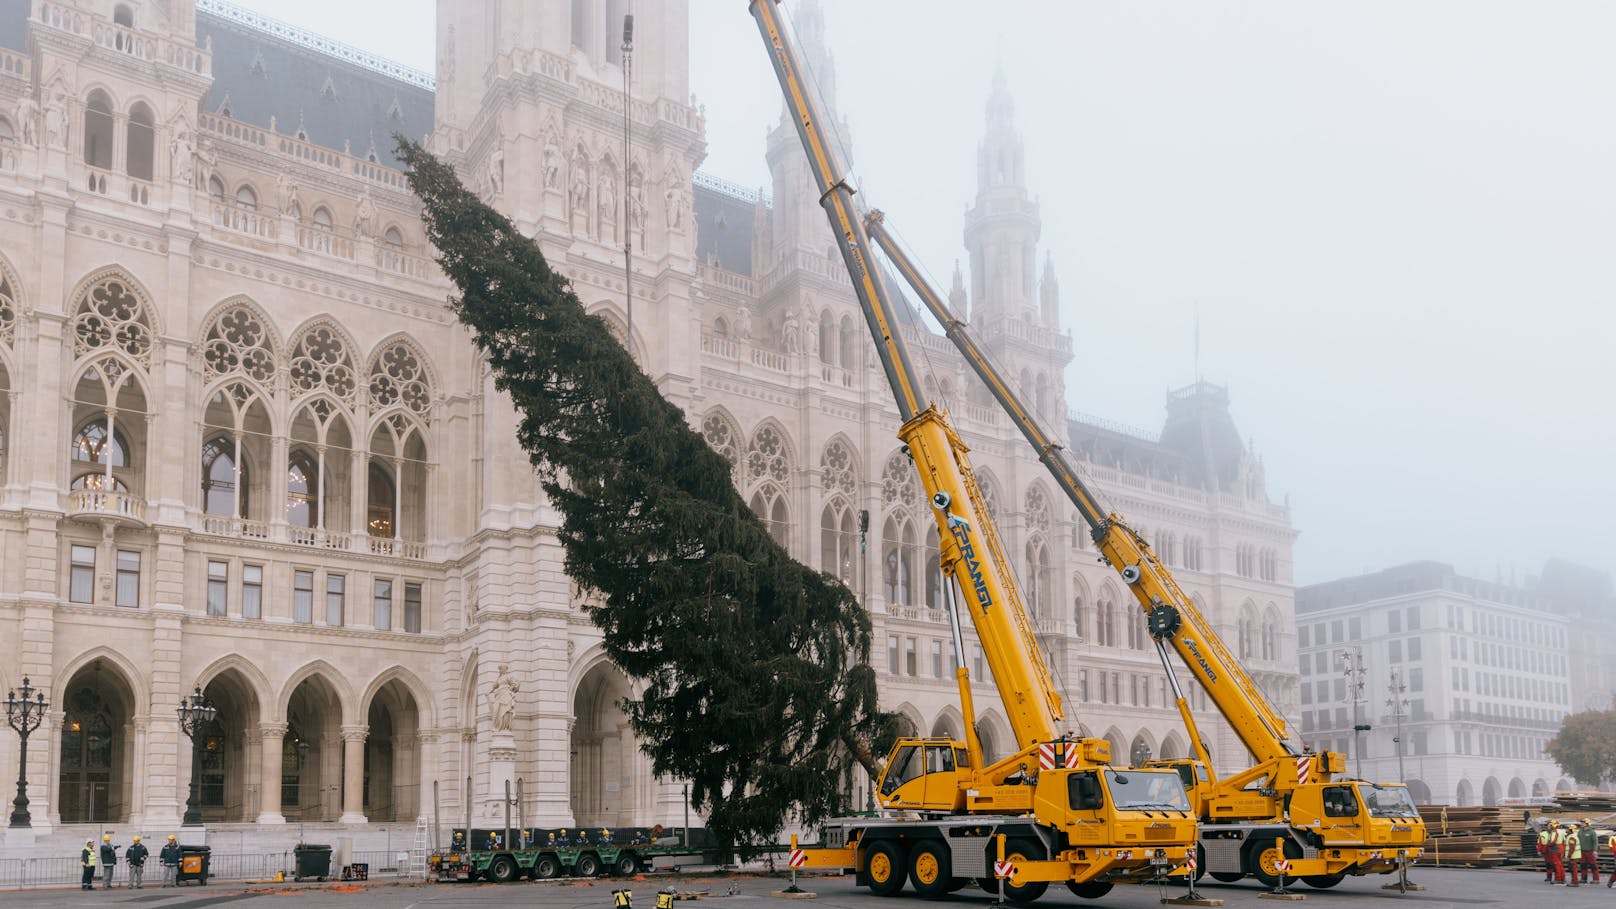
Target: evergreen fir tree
[{"x": 754, "y": 669}]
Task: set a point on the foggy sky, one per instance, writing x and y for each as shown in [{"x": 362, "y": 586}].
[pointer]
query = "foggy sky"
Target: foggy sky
[{"x": 1394, "y": 219}]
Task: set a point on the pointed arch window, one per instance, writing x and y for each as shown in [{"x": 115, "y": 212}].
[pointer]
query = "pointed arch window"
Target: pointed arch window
[
  {"x": 302, "y": 490},
  {"x": 91, "y": 445},
  {"x": 139, "y": 141},
  {"x": 247, "y": 198},
  {"x": 224, "y": 477},
  {"x": 98, "y": 130},
  {"x": 838, "y": 541},
  {"x": 379, "y": 502}
]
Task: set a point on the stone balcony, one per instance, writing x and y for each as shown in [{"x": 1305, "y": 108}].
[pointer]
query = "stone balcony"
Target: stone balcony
[
  {"x": 246, "y": 529},
  {"x": 101, "y": 505}
]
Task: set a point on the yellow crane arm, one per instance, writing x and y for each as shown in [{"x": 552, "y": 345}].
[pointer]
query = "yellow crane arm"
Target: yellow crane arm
[
  {"x": 1172, "y": 616},
  {"x": 971, "y": 549}
]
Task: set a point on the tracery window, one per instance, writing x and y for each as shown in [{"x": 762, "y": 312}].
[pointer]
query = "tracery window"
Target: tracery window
[
  {"x": 898, "y": 556},
  {"x": 722, "y": 438},
  {"x": 769, "y": 504},
  {"x": 838, "y": 470},
  {"x": 899, "y": 483},
  {"x": 397, "y": 377},
  {"x": 110, "y": 315},
  {"x": 766, "y": 457},
  {"x": 1040, "y": 579},
  {"x": 396, "y": 480},
  {"x": 221, "y": 478},
  {"x": 838, "y": 541},
  {"x": 320, "y": 360},
  {"x": 1037, "y": 509},
  {"x": 237, "y": 342}
]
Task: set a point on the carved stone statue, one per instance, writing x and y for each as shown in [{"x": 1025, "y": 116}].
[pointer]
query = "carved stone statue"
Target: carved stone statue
[
  {"x": 673, "y": 201},
  {"x": 552, "y": 165},
  {"x": 496, "y": 171},
  {"x": 365, "y": 216},
  {"x": 743, "y": 323},
  {"x": 287, "y": 188},
  {"x": 56, "y": 121},
  {"x": 608, "y": 198},
  {"x": 788, "y": 332},
  {"x": 182, "y": 156},
  {"x": 28, "y": 120},
  {"x": 580, "y": 185},
  {"x": 502, "y": 699}
]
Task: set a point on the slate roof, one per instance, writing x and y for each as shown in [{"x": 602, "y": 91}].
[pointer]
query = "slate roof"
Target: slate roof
[
  {"x": 257, "y": 75},
  {"x": 724, "y": 220}
]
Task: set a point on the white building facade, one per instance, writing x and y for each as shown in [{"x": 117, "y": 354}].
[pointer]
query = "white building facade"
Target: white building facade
[
  {"x": 245, "y": 447},
  {"x": 1479, "y": 671}
]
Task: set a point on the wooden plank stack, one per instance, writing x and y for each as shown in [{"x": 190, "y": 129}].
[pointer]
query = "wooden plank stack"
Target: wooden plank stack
[
  {"x": 1586, "y": 804},
  {"x": 1475, "y": 837}
]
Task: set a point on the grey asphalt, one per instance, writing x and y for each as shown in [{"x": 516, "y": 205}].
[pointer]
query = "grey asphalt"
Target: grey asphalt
[{"x": 1513, "y": 889}]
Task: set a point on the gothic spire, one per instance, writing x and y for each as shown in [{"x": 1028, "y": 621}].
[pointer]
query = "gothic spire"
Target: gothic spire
[
  {"x": 1000, "y": 159},
  {"x": 1049, "y": 293}
]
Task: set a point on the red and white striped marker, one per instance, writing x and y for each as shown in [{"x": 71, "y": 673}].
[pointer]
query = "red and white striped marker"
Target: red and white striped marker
[
  {"x": 1046, "y": 756},
  {"x": 1072, "y": 755},
  {"x": 1004, "y": 869},
  {"x": 798, "y": 858},
  {"x": 1189, "y": 862},
  {"x": 1303, "y": 765},
  {"x": 1282, "y": 865}
]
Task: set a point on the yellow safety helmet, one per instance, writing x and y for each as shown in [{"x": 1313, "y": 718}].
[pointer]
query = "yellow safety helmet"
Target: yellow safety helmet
[
  {"x": 137, "y": 838},
  {"x": 171, "y": 836},
  {"x": 106, "y": 837},
  {"x": 605, "y": 832}
]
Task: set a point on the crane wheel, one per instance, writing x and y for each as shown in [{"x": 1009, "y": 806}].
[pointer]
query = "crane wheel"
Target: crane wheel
[
  {"x": 1261, "y": 857},
  {"x": 1323, "y": 881},
  {"x": 931, "y": 869},
  {"x": 884, "y": 868},
  {"x": 1228, "y": 877},
  {"x": 1090, "y": 890},
  {"x": 1024, "y": 850}
]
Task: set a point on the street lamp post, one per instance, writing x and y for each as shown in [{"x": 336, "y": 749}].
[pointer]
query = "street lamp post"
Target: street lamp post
[
  {"x": 195, "y": 712},
  {"x": 1398, "y": 705},
  {"x": 24, "y": 714},
  {"x": 1352, "y": 666}
]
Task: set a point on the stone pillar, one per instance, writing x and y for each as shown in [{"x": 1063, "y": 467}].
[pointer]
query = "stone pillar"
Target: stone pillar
[
  {"x": 501, "y": 771},
  {"x": 273, "y": 736},
  {"x": 353, "y": 774},
  {"x": 137, "y": 773}
]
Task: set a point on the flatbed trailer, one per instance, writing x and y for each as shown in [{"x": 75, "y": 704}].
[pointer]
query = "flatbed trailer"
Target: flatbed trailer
[{"x": 545, "y": 862}]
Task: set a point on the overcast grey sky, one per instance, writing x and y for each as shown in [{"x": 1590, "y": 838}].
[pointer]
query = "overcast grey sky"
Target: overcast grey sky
[{"x": 1396, "y": 220}]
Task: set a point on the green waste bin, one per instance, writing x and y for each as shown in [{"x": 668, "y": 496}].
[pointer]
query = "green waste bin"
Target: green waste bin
[
  {"x": 193, "y": 865},
  {"x": 311, "y": 861}
]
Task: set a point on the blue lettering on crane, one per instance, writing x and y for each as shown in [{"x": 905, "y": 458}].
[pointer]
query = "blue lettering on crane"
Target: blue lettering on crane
[
  {"x": 961, "y": 529},
  {"x": 1196, "y": 652}
]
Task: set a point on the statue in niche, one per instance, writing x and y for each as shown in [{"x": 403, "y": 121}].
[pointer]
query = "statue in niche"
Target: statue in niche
[
  {"x": 182, "y": 157},
  {"x": 673, "y": 200},
  {"x": 28, "y": 120},
  {"x": 743, "y": 323},
  {"x": 580, "y": 185},
  {"x": 56, "y": 120},
  {"x": 788, "y": 332},
  {"x": 365, "y": 216},
  {"x": 502, "y": 699},
  {"x": 286, "y": 193},
  {"x": 552, "y": 164},
  {"x": 608, "y": 199},
  {"x": 496, "y": 171}
]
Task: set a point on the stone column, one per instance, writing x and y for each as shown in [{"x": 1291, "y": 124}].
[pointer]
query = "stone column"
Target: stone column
[
  {"x": 273, "y": 736},
  {"x": 353, "y": 774},
  {"x": 137, "y": 772}
]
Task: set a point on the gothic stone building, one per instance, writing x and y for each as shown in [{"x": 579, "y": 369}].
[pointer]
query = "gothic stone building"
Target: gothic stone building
[{"x": 245, "y": 447}]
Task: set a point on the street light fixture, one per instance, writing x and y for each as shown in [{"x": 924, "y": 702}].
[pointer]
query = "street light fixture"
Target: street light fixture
[
  {"x": 1398, "y": 705},
  {"x": 195, "y": 712},
  {"x": 1352, "y": 666},
  {"x": 24, "y": 714}
]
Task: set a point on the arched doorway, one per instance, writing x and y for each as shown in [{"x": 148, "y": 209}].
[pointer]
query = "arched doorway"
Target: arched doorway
[
  {"x": 1465, "y": 796},
  {"x": 1419, "y": 792},
  {"x": 392, "y": 755},
  {"x": 603, "y": 753},
  {"x": 96, "y": 775},
  {"x": 1139, "y": 752},
  {"x": 1517, "y": 789},
  {"x": 1540, "y": 787},
  {"x": 311, "y": 753},
  {"x": 230, "y": 749},
  {"x": 1490, "y": 791}
]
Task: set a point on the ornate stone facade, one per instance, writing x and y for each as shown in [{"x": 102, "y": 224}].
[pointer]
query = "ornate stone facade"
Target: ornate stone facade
[{"x": 243, "y": 444}]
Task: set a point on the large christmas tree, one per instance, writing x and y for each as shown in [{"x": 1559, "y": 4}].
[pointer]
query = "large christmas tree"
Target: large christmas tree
[{"x": 754, "y": 670}]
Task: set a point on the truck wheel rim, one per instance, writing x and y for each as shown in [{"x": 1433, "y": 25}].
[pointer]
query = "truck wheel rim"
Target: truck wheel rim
[
  {"x": 926, "y": 868},
  {"x": 880, "y": 868},
  {"x": 1269, "y": 860}
]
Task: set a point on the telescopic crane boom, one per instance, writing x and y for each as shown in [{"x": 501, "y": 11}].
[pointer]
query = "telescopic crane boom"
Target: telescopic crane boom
[{"x": 1067, "y": 815}]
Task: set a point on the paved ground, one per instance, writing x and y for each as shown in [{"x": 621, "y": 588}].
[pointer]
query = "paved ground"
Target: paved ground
[{"x": 1446, "y": 888}]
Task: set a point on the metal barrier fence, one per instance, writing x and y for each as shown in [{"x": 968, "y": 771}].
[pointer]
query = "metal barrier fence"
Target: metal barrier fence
[{"x": 22, "y": 873}]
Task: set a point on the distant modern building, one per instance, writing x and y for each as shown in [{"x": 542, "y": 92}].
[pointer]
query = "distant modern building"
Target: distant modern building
[
  {"x": 245, "y": 446},
  {"x": 1479, "y": 670}
]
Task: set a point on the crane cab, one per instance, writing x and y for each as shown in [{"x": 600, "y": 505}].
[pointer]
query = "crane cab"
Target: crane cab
[{"x": 926, "y": 775}]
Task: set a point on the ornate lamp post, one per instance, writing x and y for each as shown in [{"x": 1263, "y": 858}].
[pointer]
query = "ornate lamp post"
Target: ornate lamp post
[
  {"x": 24, "y": 714},
  {"x": 1398, "y": 705},
  {"x": 1353, "y": 667},
  {"x": 195, "y": 712}
]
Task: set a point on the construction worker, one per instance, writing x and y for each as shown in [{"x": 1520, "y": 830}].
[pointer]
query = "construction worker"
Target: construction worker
[
  {"x": 87, "y": 860},
  {"x": 1552, "y": 853},
  {"x": 1545, "y": 843},
  {"x": 1612, "y": 845},
  {"x": 135, "y": 855},
  {"x": 1588, "y": 840},
  {"x": 170, "y": 857},
  {"x": 109, "y": 860},
  {"x": 605, "y": 837},
  {"x": 1572, "y": 851}
]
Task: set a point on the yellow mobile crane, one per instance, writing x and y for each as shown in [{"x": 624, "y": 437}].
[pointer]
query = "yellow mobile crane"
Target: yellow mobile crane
[
  {"x": 1064, "y": 812},
  {"x": 1289, "y": 804}
]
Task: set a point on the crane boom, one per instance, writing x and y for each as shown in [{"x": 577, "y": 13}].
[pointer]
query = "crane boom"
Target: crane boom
[
  {"x": 970, "y": 543},
  {"x": 1260, "y": 728}
]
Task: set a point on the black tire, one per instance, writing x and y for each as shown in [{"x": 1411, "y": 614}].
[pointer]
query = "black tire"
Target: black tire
[
  {"x": 1228, "y": 877},
  {"x": 588, "y": 865},
  {"x": 931, "y": 869},
  {"x": 547, "y": 867},
  {"x": 884, "y": 867},
  {"x": 1323, "y": 881},
  {"x": 1090, "y": 890},
  {"x": 1200, "y": 861},
  {"x": 1260, "y": 856},
  {"x": 1024, "y": 850},
  {"x": 502, "y": 870},
  {"x": 626, "y": 865}
]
